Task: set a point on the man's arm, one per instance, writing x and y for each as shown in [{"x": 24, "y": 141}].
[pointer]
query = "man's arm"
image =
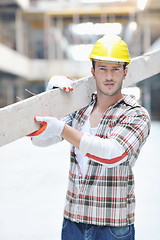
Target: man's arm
[
  {"x": 103, "y": 151},
  {"x": 72, "y": 135},
  {"x": 132, "y": 133},
  {"x": 123, "y": 144}
]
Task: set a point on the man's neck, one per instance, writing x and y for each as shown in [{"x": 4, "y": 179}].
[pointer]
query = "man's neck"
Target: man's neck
[{"x": 104, "y": 102}]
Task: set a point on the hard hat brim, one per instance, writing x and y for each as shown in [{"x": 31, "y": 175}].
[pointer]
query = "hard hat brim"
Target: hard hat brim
[{"x": 110, "y": 60}]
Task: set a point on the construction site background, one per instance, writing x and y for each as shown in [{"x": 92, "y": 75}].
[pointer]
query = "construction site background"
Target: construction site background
[{"x": 40, "y": 38}]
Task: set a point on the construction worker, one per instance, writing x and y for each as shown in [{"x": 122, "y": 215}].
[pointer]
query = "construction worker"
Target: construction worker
[{"x": 106, "y": 138}]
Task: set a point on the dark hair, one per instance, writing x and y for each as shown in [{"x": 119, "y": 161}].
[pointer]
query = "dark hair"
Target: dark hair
[
  {"x": 93, "y": 64},
  {"x": 124, "y": 65}
]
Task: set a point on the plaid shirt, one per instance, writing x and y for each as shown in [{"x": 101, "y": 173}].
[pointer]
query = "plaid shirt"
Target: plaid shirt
[{"x": 106, "y": 195}]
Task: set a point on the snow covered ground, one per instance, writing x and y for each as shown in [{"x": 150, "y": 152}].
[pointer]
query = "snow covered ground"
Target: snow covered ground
[{"x": 33, "y": 183}]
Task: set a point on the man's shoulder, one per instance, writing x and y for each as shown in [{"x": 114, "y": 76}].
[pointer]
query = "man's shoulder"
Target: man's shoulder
[
  {"x": 130, "y": 100},
  {"x": 134, "y": 108}
]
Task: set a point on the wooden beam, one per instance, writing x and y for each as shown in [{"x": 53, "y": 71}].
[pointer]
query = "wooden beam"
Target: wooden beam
[
  {"x": 143, "y": 67},
  {"x": 17, "y": 119}
]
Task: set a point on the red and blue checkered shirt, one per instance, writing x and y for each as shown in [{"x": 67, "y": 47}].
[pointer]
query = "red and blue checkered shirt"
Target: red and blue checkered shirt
[{"x": 106, "y": 195}]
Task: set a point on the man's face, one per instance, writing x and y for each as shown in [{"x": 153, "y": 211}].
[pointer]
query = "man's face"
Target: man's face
[{"x": 109, "y": 78}]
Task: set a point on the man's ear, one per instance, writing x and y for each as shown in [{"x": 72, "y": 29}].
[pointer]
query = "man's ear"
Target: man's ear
[
  {"x": 92, "y": 71},
  {"x": 125, "y": 72}
]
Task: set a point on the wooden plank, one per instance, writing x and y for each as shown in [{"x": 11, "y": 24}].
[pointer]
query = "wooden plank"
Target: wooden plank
[
  {"x": 142, "y": 67},
  {"x": 17, "y": 119}
]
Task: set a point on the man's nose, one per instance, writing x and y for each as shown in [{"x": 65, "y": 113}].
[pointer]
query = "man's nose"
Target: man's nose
[{"x": 109, "y": 75}]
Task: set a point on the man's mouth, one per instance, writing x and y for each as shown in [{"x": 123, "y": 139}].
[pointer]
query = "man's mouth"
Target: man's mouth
[{"x": 109, "y": 84}]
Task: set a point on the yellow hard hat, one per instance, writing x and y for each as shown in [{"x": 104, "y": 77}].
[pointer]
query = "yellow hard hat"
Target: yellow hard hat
[{"x": 110, "y": 48}]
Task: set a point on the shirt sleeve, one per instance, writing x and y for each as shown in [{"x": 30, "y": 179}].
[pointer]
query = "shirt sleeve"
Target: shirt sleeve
[
  {"x": 123, "y": 144},
  {"x": 103, "y": 151},
  {"x": 132, "y": 133}
]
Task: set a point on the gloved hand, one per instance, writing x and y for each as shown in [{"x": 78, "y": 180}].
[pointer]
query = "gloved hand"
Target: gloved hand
[
  {"x": 61, "y": 82},
  {"x": 50, "y": 127}
]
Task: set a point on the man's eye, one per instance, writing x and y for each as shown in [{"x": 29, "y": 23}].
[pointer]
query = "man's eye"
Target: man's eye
[{"x": 116, "y": 69}]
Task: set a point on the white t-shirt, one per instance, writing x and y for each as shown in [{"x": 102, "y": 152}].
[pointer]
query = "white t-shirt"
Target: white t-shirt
[{"x": 82, "y": 160}]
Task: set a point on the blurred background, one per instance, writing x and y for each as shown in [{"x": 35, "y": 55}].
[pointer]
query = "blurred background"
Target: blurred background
[{"x": 41, "y": 38}]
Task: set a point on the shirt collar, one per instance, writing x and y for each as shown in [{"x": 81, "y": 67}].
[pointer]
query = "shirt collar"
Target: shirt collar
[{"x": 127, "y": 99}]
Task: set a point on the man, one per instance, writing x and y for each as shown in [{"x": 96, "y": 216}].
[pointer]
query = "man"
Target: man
[{"x": 106, "y": 138}]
